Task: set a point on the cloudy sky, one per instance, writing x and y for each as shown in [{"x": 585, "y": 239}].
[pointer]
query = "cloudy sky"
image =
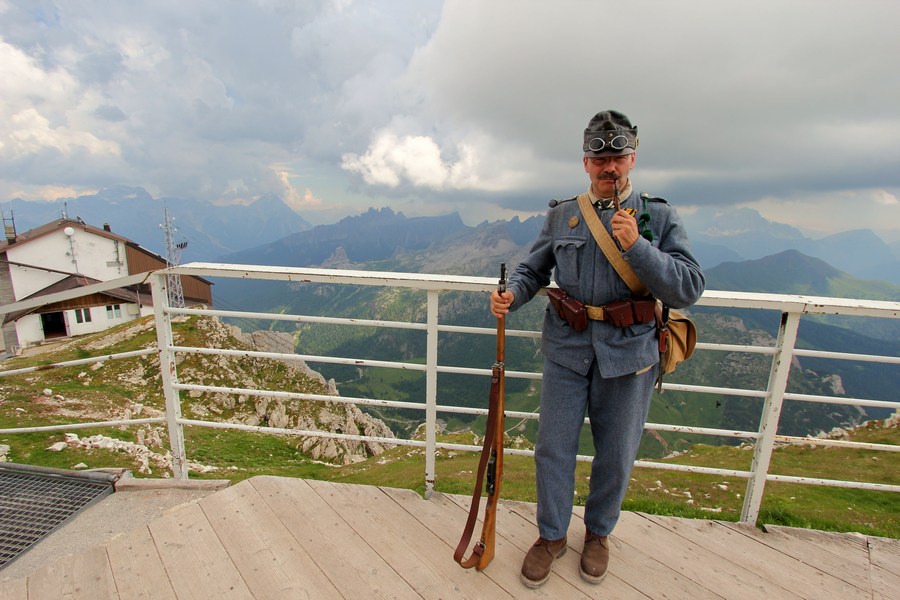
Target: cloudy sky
[{"x": 790, "y": 107}]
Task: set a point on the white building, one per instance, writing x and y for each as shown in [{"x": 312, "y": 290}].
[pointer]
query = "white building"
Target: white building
[{"x": 68, "y": 254}]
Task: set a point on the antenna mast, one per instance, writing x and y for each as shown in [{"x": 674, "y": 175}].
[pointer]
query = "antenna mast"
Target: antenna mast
[{"x": 173, "y": 255}]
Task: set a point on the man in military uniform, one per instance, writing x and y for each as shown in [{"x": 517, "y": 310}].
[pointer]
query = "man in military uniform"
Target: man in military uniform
[{"x": 605, "y": 371}]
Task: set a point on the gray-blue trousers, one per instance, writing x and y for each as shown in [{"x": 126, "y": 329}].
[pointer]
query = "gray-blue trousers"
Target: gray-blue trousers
[{"x": 617, "y": 409}]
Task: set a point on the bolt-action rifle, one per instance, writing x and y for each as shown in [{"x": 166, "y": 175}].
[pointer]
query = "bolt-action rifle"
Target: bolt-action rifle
[{"x": 490, "y": 467}]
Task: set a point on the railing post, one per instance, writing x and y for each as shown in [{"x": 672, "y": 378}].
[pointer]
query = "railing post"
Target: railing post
[
  {"x": 768, "y": 426},
  {"x": 431, "y": 363},
  {"x": 168, "y": 373}
]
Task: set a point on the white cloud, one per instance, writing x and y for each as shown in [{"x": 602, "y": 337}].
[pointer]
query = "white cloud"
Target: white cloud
[
  {"x": 392, "y": 160},
  {"x": 32, "y": 97},
  {"x": 30, "y": 132},
  {"x": 44, "y": 193},
  {"x": 295, "y": 198},
  {"x": 886, "y": 198},
  {"x": 25, "y": 80}
]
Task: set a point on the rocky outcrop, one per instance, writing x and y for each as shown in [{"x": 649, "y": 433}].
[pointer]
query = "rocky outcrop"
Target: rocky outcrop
[{"x": 281, "y": 374}]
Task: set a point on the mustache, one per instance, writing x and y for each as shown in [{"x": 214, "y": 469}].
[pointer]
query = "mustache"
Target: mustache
[{"x": 609, "y": 175}]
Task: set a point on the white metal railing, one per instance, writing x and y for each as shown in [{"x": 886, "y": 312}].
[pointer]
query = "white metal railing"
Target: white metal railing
[{"x": 791, "y": 307}]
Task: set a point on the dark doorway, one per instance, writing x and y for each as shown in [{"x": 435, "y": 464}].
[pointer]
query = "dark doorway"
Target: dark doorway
[{"x": 54, "y": 325}]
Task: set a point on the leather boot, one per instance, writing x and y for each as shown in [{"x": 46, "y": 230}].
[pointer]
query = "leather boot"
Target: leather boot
[
  {"x": 536, "y": 567},
  {"x": 594, "y": 557}
]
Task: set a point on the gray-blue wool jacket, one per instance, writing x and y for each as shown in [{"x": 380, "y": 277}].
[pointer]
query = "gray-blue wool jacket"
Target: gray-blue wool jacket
[{"x": 573, "y": 258}]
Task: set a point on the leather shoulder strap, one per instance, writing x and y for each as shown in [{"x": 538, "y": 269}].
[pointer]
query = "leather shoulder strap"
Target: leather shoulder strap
[{"x": 606, "y": 243}]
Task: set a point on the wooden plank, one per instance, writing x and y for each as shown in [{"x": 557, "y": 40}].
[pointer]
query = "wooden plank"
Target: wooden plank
[
  {"x": 423, "y": 559},
  {"x": 345, "y": 558},
  {"x": 640, "y": 569},
  {"x": 635, "y": 568},
  {"x": 446, "y": 519},
  {"x": 52, "y": 581},
  {"x": 197, "y": 564},
  {"x": 847, "y": 559},
  {"x": 83, "y": 575},
  {"x": 14, "y": 589},
  {"x": 695, "y": 562},
  {"x": 521, "y": 533},
  {"x": 272, "y": 563},
  {"x": 884, "y": 554},
  {"x": 744, "y": 545},
  {"x": 93, "y": 575},
  {"x": 137, "y": 568},
  {"x": 287, "y": 538},
  {"x": 632, "y": 574},
  {"x": 885, "y": 584},
  {"x": 570, "y": 565}
]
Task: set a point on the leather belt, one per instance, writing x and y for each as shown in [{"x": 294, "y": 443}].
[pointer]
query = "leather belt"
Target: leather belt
[{"x": 621, "y": 313}]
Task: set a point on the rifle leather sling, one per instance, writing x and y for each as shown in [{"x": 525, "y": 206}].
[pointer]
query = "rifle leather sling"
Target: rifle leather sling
[{"x": 487, "y": 447}]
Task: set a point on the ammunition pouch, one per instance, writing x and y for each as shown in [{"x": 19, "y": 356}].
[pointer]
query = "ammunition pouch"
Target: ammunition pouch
[
  {"x": 569, "y": 309},
  {"x": 627, "y": 312}
]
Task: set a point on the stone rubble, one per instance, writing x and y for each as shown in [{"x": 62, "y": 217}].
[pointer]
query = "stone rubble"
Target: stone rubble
[{"x": 146, "y": 458}]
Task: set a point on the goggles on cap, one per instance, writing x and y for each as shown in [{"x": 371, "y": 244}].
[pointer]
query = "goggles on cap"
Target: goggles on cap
[{"x": 620, "y": 142}]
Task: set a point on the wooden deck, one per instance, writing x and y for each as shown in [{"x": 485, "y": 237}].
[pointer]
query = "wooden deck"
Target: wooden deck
[{"x": 268, "y": 538}]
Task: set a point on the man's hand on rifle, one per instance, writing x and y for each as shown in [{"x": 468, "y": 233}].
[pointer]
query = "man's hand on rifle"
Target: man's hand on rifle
[{"x": 500, "y": 303}]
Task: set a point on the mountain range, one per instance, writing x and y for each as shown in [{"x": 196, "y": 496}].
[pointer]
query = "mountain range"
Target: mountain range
[
  {"x": 210, "y": 230},
  {"x": 268, "y": 228},
  {"x": 740, "y": 234}
]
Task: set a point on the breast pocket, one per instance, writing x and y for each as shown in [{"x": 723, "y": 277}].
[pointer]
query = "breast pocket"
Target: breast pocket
[{"x": 567, "y": 251}]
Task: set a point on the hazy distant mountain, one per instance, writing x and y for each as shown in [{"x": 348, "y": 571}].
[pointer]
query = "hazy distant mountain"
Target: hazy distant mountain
[
  {"x": 210, "y": 230},
  {"x": 792, "y": 272},
  {"x": 717, "y": 236},
  {"x": 372, "y": 236},
  {"x": 735, "y": 234},
  {"x": 859, "y": 252},
  {"x": 710, "y": 254},
  {"x": 389, "y": 241},
  {"x": 741, "y": 230}
]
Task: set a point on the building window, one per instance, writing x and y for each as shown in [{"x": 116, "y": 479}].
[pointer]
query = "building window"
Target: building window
[
  {"x": 114, "y": 311},
  {"x": 82, "y": 315}
]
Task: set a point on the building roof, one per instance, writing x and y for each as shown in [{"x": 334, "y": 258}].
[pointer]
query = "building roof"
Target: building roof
[
  {"x": 48, "y": 228},
  {"x": 62, "y": 223}
]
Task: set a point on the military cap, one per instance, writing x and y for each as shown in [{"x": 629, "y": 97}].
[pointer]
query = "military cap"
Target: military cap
[{"x": 610, "y": 133}]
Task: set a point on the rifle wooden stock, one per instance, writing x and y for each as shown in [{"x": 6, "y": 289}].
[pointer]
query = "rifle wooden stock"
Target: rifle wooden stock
[{"x": 490, "y": 467}]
